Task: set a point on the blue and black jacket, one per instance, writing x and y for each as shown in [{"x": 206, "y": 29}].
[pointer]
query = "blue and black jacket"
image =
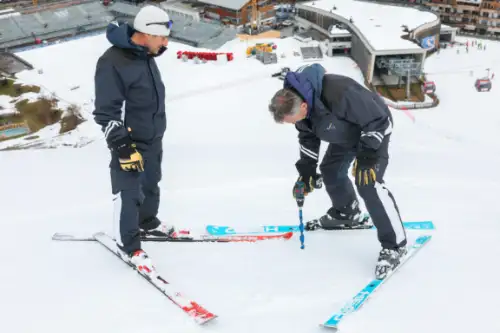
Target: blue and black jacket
[{"x": 340, "y": 111}]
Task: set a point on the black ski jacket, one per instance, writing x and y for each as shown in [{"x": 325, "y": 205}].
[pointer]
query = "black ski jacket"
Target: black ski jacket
[
  {"x": 129, "y": 92},
  {"x": 340, "y": 111}
]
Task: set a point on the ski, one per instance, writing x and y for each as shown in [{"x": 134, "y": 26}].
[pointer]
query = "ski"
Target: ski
[
  {"x": 201, "y": 239},
  {"x": 199, "y": 314},
  {"x": 218, "y": 230},
  {"x": 360, "y": 298}
]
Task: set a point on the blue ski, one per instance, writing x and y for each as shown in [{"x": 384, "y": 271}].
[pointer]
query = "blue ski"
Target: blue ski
[
  {"x": 357, "y": 301},
  {"x": 218, "y": 230}
]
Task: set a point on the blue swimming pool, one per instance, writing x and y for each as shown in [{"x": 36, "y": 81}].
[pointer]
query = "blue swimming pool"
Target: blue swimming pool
[{"x": 7, "y": 133}]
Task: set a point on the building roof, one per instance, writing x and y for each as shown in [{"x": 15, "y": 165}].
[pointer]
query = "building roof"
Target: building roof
[
  {"x": 334, "y": 30},
  {"x": 447, "y": 28},
  {"x": 230, "y": 4},
  {"x": 382, "y": 25},
  {"x": 182, "y": 5}
]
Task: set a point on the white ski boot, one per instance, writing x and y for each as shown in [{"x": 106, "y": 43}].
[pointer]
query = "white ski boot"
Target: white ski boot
[
  {"x": 388, "y": 260},
  {"x": 142, "y": 262}
]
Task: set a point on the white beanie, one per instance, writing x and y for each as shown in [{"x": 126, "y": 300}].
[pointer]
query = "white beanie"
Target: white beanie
[{"x": 153, "y": 20}]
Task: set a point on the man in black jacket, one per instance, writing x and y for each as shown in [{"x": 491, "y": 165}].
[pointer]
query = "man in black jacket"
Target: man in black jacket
[
  {"x": 357, "y": 125},
  {"x": 130, "y": 108}
]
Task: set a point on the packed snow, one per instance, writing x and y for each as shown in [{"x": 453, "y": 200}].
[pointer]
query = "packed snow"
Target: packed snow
[
  {"x": 381, "y": 24},
  {"x": 226, "y": 162}
]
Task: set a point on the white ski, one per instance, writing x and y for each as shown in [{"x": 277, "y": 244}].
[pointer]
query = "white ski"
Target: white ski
[{"x": 191, "y": 308}]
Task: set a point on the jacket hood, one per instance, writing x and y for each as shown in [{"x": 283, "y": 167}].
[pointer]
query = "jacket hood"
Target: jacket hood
[
  {"x": 307, "y": 81},
  {"x": 119, "y": 34}
]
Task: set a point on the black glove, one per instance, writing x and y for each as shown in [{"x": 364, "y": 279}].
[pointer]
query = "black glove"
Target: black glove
[
  {"x": 128, "y": 156},
  {"x": 364, "y": 169},
  {"x": 311, "y": 179}
]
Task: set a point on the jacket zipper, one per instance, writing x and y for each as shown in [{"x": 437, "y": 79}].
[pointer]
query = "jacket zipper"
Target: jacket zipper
[{"x": 157, "y": 98}]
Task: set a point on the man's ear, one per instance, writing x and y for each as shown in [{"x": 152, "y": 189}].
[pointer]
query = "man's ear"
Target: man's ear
[{"x": 303, "y": 106}]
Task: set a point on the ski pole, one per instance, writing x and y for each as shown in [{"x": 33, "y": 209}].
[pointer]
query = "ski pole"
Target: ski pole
[{"x": 299, "y": 197}]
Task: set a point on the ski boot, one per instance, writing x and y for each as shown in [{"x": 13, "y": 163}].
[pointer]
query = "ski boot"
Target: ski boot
[
  {"x": 161, "y": 230},
  {"x": 154, "y": 228},
  {"x": 142, "y": 262},
  {"x": 346, "y": 218},
  {"x": 138, "y": 259},
  {"x": 388, "y": 260}
]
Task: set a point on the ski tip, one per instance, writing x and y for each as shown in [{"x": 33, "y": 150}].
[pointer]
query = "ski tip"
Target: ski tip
[
  {"x": 60, "y": 236},
  {"x": 70, "y": 238},
  {"x": 423, "y": 239},
  {"x": 420, "y": 225},
  {"x": 288, "y": 235},
  {"x": 199, "y": 314},
  {"x": 99, "y": 234},
  {"x": 205, "y": 319},
  {"x": 331, "y": 328}
]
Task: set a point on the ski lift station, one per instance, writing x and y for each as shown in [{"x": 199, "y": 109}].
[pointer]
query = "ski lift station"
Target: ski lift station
[{"x": 387, "y": 48}]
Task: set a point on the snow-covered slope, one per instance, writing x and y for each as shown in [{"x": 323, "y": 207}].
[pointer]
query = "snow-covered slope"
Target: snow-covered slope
[{"x": 227, "y": 162}]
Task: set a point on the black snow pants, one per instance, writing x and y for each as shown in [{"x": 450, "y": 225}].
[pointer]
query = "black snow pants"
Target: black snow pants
[
  {"x": 379, "y": 201},
  {"x": 136, "y": 196}
]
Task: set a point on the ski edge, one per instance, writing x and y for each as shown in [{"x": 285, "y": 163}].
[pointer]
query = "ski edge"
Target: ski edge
[{"x": 364, "y": 295}]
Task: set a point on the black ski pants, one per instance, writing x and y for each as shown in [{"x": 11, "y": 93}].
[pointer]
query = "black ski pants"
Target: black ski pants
[
  {"x": 136, "y": 196},
  {"x": 379, "y": 201}
]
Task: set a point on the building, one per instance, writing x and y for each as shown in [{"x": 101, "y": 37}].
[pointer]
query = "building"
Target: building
[
  {"x": 183, "y": 9},
  {"x": 340, "y": 41},
  {"x": 240, "y": 12},
  {"x": 376, "y": 44},
  {"x": 475, "y": 16},
  {"x": 479, "y": 16},
  {"x": 84, "y": 19},
  {"x": 447, "y": 33}
]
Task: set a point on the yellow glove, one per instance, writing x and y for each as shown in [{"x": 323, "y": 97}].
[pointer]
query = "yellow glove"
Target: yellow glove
[
  {"x": 130, "y": 159},
  {"x": 364, "y": 174}
]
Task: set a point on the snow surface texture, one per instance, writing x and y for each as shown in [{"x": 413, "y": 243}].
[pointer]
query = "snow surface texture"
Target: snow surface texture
[
  {"x": 227, "y": 162},
  {"x": 381, "y": 24}
]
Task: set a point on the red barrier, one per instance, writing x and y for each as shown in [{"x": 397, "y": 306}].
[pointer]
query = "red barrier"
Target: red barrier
[{"x": 204, "y": 55}]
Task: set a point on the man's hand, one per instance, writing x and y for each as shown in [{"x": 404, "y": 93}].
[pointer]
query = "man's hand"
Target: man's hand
[
  {"x": 311, "y": 181},
  {"x": 364, "y": 168},
  {"x": 130, "y": 159}
]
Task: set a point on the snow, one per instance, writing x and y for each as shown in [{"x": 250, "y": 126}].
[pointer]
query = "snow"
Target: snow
[
  {"x": 6, "y": 107},
  {"x": 227, "y": 162},
  {"x": 380, "y": 24},
  {"x": 335, "y": 30}
]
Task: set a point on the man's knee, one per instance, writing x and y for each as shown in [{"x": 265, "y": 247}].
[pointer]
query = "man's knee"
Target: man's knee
[
  {"x": 367, "y": 192},
  {"x": 151, "y": 191},
  {"x": 131, "y": 197},
  {"x": 124, "y": 181},
  {"x": 152, "y": 169},
  {"x": 335, "y": 174}
]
